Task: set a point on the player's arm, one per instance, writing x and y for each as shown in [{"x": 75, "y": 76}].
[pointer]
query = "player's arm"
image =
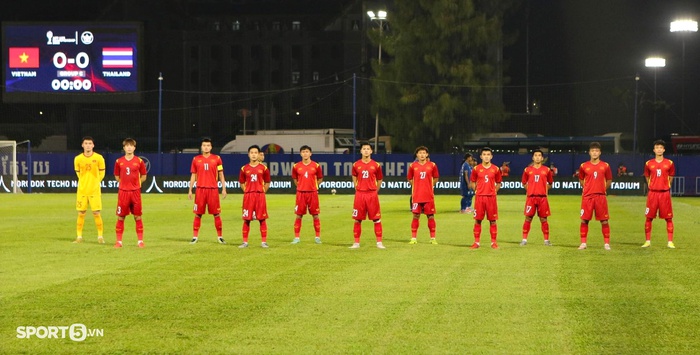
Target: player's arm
[
  {"x": 222, "y": 178},
  {"x": 354, "y": 181},
  {"x": 102, "y": 170},
  {"x": 525, "y": 179},
  {"x": 143, "y": 178},
  {"x": 319, "y": 175},
  {"x": 379, "y": 184},
  {"x": 117, "y": 171},
  {"x": 193, "y": 178}
]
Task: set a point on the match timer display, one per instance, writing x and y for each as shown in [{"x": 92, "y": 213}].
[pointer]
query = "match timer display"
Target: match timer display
[{"x": 83, "y": 62}]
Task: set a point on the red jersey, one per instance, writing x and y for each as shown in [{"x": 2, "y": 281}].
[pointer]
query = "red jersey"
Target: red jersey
[
  {"x": 595, "y": 177},
  {"x": 307, "y": 175},
  {"x": 659, "y": 174},
  {"x": 422, "y": 177},
  {"x": 486, "y": 179},
  {"x": 367, "y": 175},
  {"x": 537, "y": 179},
  {"x": 129, "y": 172},
  {"x": 254, "y": 177},
  {"x": 207, "y": 170}
]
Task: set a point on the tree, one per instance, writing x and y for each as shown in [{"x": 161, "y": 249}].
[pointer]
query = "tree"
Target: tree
[{"x": 443, "y": 80}]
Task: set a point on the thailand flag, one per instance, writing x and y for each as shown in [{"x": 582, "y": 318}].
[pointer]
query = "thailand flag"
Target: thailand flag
[{"x": 117, "y": 58}]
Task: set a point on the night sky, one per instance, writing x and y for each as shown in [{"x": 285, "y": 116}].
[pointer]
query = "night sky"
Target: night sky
[{"x": 569, "y": 42}]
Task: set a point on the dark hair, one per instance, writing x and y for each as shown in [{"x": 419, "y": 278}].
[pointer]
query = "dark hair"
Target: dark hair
[
  {"x": 87, "y": 138},
  {"x": 467, "y": 156},
  {"x": 129, "y": 141},
  {"x": 537, "y": 151},
  {"x": 254, "y": 146},
  {"x": 660, "y": 142},
  {"x": 362, "y": 144},
  {"x": 206, "y": 140},
  {"x": 305, "y": 147},
  {"x": 486, "y": 149},
  {"x": 422, "y": 147},
  {"x": 594, "y": 145}
]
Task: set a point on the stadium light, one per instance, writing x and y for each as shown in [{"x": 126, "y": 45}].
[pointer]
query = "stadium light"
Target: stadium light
[
  {"x": 655, "y": 63},
  {"x": 684, "y": 27},
  {"x": 380, "y": 17}
]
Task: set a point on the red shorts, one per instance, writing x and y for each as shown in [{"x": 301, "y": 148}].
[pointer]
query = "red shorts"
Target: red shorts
[
  {"x": 206, "y": 199},
  {"x": 366, "y": 206},
  {"x": 597, "y": 203},
  {"x": 254, "y": 206},
  {"x": 425, "y": 207},
  {"x": 539, "y": 204},
  {"x": 485, "y": 206},
  {"x": 307, "y": 201},
  {"x": 129, "y": 202},
  {"x": 659, "y": 201}
]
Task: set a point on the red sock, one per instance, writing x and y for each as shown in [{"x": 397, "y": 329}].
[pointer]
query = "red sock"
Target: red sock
[
  {"x": 263, "y": 230},
  {"x": 246, "y": 231},
  {"x": 317, "y": 226},
  {"x": 414, "y": 227},
  {"x": 606, "y": 233},
  {"x": 218, "y": 226},
  {"x": 494, "y": 232},
  {"x": 669, "y": 229},
  {"x": 120, "y": 230},
  {"x": 526, "y": 228},
  {"x": 647, "y": 228},
  {"x": 545, "y": 230},
  {"x": 297, "y": 227},
  {"x": 431, "y": 227},
  {"x": 139, "y": 229},
  {"x": 378, "y": 231},
  {"x": 195, "y": 226},
  {"x": 357, "y": 231},
  {"x": 477, "y": 232},
  {"x": 584, "y": 232}
]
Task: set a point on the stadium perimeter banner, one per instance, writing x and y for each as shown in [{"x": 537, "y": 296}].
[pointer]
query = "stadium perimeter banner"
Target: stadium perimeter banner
[{"x": 342, "y": 185}]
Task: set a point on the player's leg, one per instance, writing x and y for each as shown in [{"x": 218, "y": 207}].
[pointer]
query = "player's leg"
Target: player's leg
[
  {"x": 544, "y": 212},
  {"x": 586, "y": 215},
  {"x": 432, "y": 228},
  {"x": 359, "y": 213},
  {"x": 602, "y": 214},
  {"x": 605, "y": 227},
  {"x": 263, "y": 233},
  {"x": 299, "y": 210},
  {"x": 137, "y": 211},
  {"x": 669, "y": 231},
  {"x": 139, "y": 230},
  {"x": 545, "y": 230},
  {"x": 493, "y": 229},
  {"x": 119, "y": 230},
  {"x": 526, "y": 229},
  {"x": 492, "y": 216},
  {"x": 314, "y": 208},
  {"x": 415, "y": 223},
  {"x": 80, "y": 223},
  {"x": 463, "y": 203},
  {"x": 198, "y": 209},
  {"x": 650, "y": 213},
  {"x": 317, "y": 228},
  {"x": 479, "y": 214},
  {"x": 374, "y": 213},
  {"x": 99, "y": 223}
]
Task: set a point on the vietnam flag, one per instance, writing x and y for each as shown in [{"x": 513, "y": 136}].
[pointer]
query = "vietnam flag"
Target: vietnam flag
[{"x": 24, "y": 57}]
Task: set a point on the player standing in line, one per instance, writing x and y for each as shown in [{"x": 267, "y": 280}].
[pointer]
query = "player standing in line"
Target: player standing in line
[
  {"x": 307, "y": 175},
  {"x": 423, "y": 175},
  {"x": 255, "y": 181},
  {"x": 367, "y": 177},
  {"x": 205, "y": 169},
  {"x": 130, "y": 173},
  {"x": 595, "y": 176},
  {"x": 485, "y": 180},
  {"x": 465, "y": 177},
  {"x": 659, "y": 173},
  {"x": 537, "y": 180},
  {"x": 90, "y": 168}
]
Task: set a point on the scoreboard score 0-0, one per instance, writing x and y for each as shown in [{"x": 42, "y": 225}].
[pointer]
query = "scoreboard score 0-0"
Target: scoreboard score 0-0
[{"x": 71, "y": 62}]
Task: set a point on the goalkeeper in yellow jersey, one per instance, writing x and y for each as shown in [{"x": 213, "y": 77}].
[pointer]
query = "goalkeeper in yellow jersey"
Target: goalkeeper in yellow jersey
[{"x": 90, "y": 168}]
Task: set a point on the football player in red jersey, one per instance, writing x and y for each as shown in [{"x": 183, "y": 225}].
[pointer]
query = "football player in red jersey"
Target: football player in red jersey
[
  {"x": 307, "y": 175},
  {"x": 659, "y": 173},
  {"x": 130, "y": 173},
  {"x": 537, "y": 180},
  {"x": 205, "y": 169},
  {"x": 255, "y": 181},
  {"x": 367, "y": 177},
  {"x": 485, "y": 180},
  {"x": 423, "y": 175},
  {"x": 595, "y": 176}
]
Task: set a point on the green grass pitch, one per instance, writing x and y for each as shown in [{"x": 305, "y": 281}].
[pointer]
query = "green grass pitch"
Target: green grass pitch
[{"x": 172, "y": 297}]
